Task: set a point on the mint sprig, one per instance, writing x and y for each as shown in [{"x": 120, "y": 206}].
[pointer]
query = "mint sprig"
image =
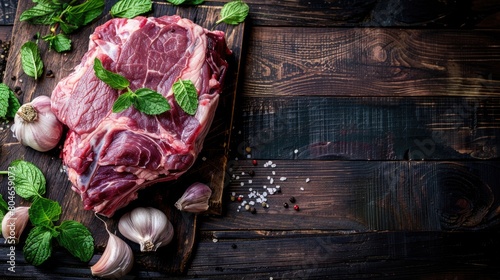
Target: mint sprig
[
  {"x": 63, "y": 18},
  {"x": 31, "y": 60},
  {"x": 147, "y": 100},
  {"x": 234, "y": 12},
  {"x": 44, "y": 215}
]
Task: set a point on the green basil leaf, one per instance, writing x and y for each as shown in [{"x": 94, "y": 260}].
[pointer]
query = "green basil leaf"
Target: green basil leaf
[
  {"x": 59, "y": 42},
  {"x": 176, "y": 2},
  {"x": 28, "y": 179},
  {"x": 123, "y": 102},
  {"x": 31, "y": 60},
  {"x": 77, "y": 239},
  {"x": 4, "y": 100},
  {"x": 113, "y": 80},
  {"x": 38, "y": 246},
  {"x": 85, "y": 13},
  {"x": 186, "y": 95},
  {"x": 150, "y": 102},
  {"x": 42, "y": 13},
  {"x": 234, "y": 12},
  {"x": 43, "y": 212},
  {"x": 131, "y": 8}
]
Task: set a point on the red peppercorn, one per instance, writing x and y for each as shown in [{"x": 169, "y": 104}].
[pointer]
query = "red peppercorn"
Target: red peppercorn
[
  {"x": 240, "y": 199},
  {"x": 296, "y": 207},
  {"x": 254, "y": 162}
]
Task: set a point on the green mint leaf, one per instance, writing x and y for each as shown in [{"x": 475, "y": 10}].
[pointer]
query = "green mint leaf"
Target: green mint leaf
[
  {"x": 43, "y": 13},
  {"x": 28, "y": 179},
  {"x": 4, "y": 207},
  {"x": 14, "y": 105},
  {"x": 4, "y": 100},
  {"x": 113, "y": 80},
  {"x": 123, "y": 102},
  {"x": 38, "y": 246},
  {"x": 9, "y": 104},
  {"x": 77, "y": 239},
  {"x": 59, "y": 42},
  {"x": 186, "y": 95},
  {"x": 43, "y": 212},
  {"x": 131, "y": 8},
  {"x": 150, "y": 102},
  {"x": 31, "y": 60},
  {"x": 234, "y": 12},
  {"x": 83, "y": 14},
  {"x": 176, "y": 2}
]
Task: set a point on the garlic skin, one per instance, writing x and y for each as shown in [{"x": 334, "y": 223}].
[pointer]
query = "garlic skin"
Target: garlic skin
[
  {"x": 195, "y": 199},
  {"x": 13, "y": 224},
  {"x": 36, "y": 126},
  {"x": 116, "y": 261},
  {"x": 147, "y": 226}
]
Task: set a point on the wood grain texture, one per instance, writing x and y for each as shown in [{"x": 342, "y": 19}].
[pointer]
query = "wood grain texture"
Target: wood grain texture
[
  {"x": 8, "y": 12},
  {"x": 368, "y": 128},
  {"x": 209, "y": 168},
  {"x": 366, "y": 62}
]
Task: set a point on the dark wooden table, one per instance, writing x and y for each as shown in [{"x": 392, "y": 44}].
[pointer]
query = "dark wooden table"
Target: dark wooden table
[{"x": 381, "y": 119}]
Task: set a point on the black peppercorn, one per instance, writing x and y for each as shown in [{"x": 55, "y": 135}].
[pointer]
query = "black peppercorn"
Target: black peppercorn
[
  {"x": 285, "y": 205},
  {"x": 292, "y": 199}
]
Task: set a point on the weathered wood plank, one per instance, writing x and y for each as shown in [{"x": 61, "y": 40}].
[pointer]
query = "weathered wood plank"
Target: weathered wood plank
[
  {"x": 361, "y": 196},
  {"x": 316, "y": 255},
  {"x": 373, "y": 128},
  {"x": 367, "y": 62}
]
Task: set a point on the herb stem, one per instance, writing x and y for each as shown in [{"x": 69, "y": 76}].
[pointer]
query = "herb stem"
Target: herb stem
[{"x": 4, "y": 172}]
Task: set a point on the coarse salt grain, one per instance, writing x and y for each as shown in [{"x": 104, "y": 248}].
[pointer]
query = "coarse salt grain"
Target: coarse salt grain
[
  {"x": 242, "y": 184},
  {"x": 295, "y": 151},
  {"x": 271, "y": 181},
  {"x": 307, "y": 180},
  {"x": 283, "y": 179},
  {"x": 301, "y": 188},
  {"x": 250, "y": 181}
]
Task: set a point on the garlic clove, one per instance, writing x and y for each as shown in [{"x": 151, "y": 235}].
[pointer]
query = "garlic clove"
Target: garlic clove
[
  {"x": 147, "y": 226},
  {"x": 36, "y": 126},
  {"x": 13, "y": 224},
  {"x": 195, "y": 199},
  {"x": 116, "y": 261}
]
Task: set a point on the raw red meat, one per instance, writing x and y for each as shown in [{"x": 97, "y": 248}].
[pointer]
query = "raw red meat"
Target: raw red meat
[{"x": 110, "y": 156}]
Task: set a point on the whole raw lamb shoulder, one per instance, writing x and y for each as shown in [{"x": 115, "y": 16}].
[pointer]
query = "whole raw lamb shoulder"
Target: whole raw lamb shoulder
[{"x": 111, "y": 156}]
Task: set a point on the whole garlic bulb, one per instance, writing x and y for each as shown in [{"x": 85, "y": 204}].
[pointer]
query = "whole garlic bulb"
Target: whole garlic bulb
[
  {"x": 13, "y": 224},
  {"x": 36, "y": 126},
  {"x": 147, "y": 226},
  {"x": 116, "y": 261}
]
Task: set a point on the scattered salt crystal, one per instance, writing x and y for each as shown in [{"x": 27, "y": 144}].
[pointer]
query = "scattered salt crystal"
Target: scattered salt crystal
[
  {"x": 249, "y": 156},
  {"x": 271, "y": 181},
  {"x": 264, "y": 194},
  {"x": 283, "y": 179},
  {"x": 243, "y": 173},
  {"x": 295, "y": 151},
  {"x": 264, "y": 187},
  {"x": 250, "y": 181},
  {"x": 233, "y": 194},
  {"x": 237, "y": 177},
  {"x": 301, "y": 188},
  {"x": 250, "y": 189},
  {"x": 215, "y": 240},
  {"x": 307, "y": 180},
  {"x": 251, "y": 202},
  {"x": 273, "y": 165},
  {"x": 268, "y": 177},
  {"x": 259, "y": 200},
  {"x": 274, "y": 172},
  {"x": 204, "y": 158},
  {"x": 242, "y": 184}
]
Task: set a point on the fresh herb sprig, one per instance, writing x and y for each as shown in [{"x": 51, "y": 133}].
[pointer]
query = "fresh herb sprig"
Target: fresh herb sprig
[
  {"x": 9, "y": 104},
  {"x": 44, "y": 215},
  {"x": 131, "y": 8},
  {"x": 64, "y": 17},
  {"x": 186, "y": 2},
  {"x": 146, "y": 100}
]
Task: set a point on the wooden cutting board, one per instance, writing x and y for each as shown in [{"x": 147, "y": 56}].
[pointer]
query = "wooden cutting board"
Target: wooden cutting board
[{"x": 209, "y": 168}]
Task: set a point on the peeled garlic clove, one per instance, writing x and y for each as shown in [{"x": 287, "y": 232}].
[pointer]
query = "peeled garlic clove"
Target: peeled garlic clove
[
  {"x": 195, "y": 199},
  {"x": 13, "y": 224},
  {"x": 149, "y": 227},
  {"x": 36, "y": 126},
  {"x": 116, "y": 261}
]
